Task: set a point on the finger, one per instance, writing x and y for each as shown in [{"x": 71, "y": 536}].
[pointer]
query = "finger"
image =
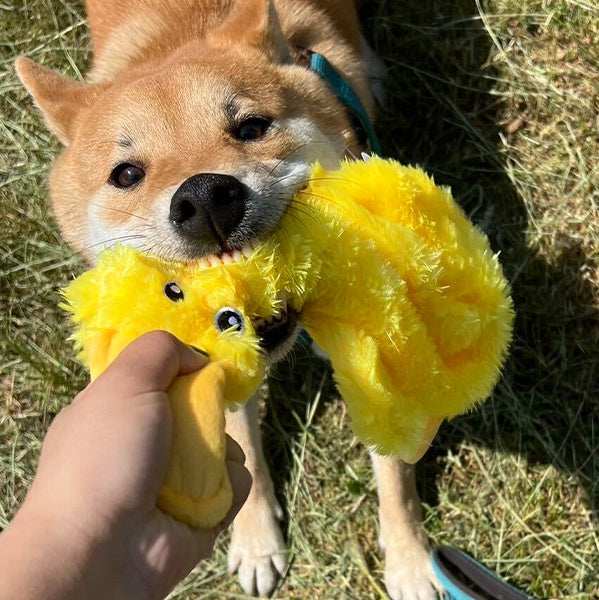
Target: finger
[
  {"x": 234, "y": 451},
  {"x": 150, "y": 363}
]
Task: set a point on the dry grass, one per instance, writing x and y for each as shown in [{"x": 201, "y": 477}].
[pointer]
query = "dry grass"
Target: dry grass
[{"x": 498, "y": 99}]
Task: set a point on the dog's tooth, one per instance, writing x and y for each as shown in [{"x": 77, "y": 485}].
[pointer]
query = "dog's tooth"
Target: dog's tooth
[
  {"x": 282, "y": 302},
  {"x": 227, "y": 259},
  {"x": 246, "y": 251},
  {"x": 203, "y": 263},
  {"x": 237, "y": 255},
  {"x": 214, "y": 261}
]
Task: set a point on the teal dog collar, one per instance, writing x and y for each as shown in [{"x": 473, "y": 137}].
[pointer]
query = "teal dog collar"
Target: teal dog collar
[{"x": 346, "y": 95}]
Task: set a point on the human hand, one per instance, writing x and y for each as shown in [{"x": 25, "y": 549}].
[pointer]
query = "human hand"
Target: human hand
[{"x": 102, "y": 463}]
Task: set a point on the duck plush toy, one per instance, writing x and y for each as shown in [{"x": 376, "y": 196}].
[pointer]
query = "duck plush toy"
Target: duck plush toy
[{"x": 378, "y": 264}]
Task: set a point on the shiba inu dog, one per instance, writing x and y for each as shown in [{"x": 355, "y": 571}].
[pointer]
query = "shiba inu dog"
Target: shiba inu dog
[{"x": 197, "y": 124}]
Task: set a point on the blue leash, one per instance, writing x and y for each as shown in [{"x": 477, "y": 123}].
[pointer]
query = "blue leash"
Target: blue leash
[{"x": 463, "y": 578}]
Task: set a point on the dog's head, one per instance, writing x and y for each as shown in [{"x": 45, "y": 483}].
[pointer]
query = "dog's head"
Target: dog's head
[{"x": 191, "y": 155}]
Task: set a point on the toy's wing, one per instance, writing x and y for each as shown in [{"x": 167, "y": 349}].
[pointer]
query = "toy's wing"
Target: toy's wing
[
  {"x": 197, "y": 490},
  {"x": 382, "y": 417}
]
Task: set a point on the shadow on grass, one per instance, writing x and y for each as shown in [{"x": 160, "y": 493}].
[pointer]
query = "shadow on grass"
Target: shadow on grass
[
  {"x": 442, "y": 115},
  {"x": 295, "y": 387}
]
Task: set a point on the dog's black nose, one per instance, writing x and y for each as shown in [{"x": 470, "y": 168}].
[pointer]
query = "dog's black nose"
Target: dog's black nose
[{"x": 209, "y": 206}]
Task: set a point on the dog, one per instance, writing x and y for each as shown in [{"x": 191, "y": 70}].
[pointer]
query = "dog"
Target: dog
[{"x": 196, "y": 126}]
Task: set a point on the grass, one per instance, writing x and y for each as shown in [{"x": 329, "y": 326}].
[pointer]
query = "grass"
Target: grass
[{"x": 500, "y": 100}]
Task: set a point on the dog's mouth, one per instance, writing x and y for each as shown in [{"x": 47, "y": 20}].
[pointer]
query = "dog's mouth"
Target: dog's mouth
[
  {"x": 226, "y": 257},
  {"x": 273, "y": 332}
]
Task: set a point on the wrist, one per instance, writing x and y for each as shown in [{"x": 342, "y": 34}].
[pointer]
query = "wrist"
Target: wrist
[
  {"x": 38, "y": 560},
  {"x": 45, "y": 555}
]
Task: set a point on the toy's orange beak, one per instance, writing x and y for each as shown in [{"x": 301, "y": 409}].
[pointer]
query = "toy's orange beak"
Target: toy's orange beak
[{"x": 430, "y": 431}]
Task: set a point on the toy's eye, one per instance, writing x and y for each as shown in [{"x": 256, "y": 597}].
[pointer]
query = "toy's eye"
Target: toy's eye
[
  {"x": 229, "y": 318},
  {"x": 173, "y": 292}
]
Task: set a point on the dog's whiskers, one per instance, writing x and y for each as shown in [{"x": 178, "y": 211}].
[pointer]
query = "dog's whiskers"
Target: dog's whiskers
[
  {"x": 118, "y": 210},
  {"x": 112, "y": 241},
  {"x": 299, "y": 211},
  {"x": 336, "y": 179}
]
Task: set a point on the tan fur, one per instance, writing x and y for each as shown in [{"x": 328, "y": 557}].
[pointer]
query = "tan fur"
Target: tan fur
[
  {"x": 123, "y": 44},
  {"x": 163, "y": 88},
  {"x": 169, "y": 81}
]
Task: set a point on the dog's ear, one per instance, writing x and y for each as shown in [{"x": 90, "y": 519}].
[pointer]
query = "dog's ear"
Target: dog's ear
[
  {"x": 253, "y": 23},
  {"x": 58, "y": 98}
]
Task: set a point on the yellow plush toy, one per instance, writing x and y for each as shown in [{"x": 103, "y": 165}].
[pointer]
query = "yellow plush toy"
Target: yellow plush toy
[{"x": 385, "y": 273}]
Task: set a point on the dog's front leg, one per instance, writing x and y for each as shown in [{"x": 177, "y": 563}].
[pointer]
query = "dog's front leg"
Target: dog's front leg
[
  {"x": 257, "y": 552},
  {"x": 408, "y": 571}
]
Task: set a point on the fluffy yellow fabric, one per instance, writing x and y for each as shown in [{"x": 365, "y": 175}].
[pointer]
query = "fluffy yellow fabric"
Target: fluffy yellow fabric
[
  {"x": 386, "y": 274},
  {"x": 126, "y": 295},
  {"x": 197, "y": 488},
  {"x": 404, "y": 295}
]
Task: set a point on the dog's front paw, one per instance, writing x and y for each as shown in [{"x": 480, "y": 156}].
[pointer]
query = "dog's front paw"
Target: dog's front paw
[
  {"x": 257, "y": 552},
  {"x": 408, "y": 571}
]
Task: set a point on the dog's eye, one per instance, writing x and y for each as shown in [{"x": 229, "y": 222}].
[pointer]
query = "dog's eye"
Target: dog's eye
[
  {"x": 252, "y": 128},
  {"x": 173, "y": 292},
  {"x": 229, "y": 319},
  {"x": 126, "y": 175}
]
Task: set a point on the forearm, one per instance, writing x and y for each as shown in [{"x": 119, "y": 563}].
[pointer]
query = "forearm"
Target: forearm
[{"x": 42, "y": 558}]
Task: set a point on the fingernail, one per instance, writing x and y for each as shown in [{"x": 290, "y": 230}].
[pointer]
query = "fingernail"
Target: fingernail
[{"x": 200, "y": 351}]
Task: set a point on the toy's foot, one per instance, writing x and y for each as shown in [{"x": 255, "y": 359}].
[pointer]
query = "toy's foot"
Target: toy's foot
[
  {"x": 408, "y": 571},
  {"x": 257, "y": 552},
  {"x": 465, "y": 579}
]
